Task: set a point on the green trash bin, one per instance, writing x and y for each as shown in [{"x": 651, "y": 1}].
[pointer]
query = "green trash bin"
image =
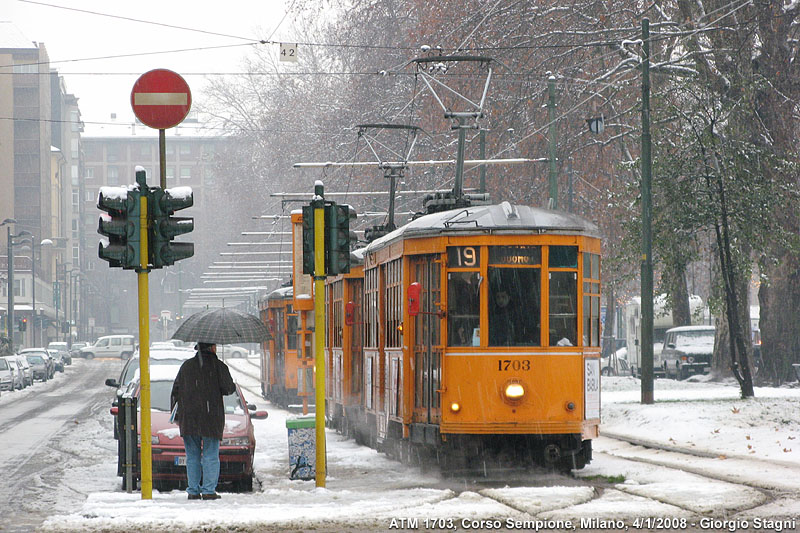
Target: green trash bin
[{"x": 302, "y": 447}]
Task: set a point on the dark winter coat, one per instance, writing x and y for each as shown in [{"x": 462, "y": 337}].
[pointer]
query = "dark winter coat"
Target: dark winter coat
[{"x": 198, "y": 391}]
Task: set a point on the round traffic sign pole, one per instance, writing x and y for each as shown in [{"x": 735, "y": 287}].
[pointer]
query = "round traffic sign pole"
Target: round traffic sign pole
[{"x": 161, "y": 98}]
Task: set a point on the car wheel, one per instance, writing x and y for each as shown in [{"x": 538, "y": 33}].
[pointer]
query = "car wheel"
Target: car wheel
[
  {"x": 89, "y": 355},
  {"x": 608, "y": 371},
  {"x": 238, "y": 355}
]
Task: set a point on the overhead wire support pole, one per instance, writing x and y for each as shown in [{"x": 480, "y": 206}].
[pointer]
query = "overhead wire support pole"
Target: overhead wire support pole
[{"x": 647, "y": 216}]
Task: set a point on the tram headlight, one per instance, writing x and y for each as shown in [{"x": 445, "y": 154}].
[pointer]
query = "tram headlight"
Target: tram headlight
[
  {"x": 455, "y": 407},
  {"x": 513, "y": 392}
]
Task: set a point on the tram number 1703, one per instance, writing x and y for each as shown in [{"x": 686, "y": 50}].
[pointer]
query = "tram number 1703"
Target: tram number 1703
[{"x": 504, "y": 365}]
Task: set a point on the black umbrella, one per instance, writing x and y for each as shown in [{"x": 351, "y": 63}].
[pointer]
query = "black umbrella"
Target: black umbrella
[{"x": 222, "y": 326}]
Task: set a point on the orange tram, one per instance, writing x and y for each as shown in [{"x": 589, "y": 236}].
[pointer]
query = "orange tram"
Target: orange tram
[{"x": 469, "y": 336}]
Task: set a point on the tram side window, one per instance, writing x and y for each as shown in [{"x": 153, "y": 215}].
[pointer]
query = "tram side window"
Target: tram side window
[
  {"x": 591, "y": 299},
  {"x": 291, "y": 332},
  {"x": 514, "y": 307},
  {"x": 563, "y": 309},
  {"x": 463, "y": 308}
]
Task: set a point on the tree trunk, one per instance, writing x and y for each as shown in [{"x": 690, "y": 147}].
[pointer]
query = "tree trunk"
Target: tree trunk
[{"x": 779, "y": 320}]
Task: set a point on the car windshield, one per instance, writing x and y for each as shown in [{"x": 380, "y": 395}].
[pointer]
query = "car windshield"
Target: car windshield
[
  {"x": 35, "y": 359},
  {"x": 159, "y": 395},
  {"x": 3, "y": 364},
  {"x": 233, "y": 404},
  {"x": 132, "y": 367},
  {"x": 685, "y": 339},
  {"x": 160, "y": 398}
]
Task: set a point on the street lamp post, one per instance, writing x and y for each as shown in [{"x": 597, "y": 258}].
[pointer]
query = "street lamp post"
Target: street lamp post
[
  {"x": 10, "y": 277},
  {"x": 28, "y": 238},
  {"x": 10, "y": 312}
]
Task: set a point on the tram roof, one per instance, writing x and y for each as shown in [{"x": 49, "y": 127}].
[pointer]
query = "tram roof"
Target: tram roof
[
  {"x": 503, "y": 218},
  {"x": 283, "y": 292}
]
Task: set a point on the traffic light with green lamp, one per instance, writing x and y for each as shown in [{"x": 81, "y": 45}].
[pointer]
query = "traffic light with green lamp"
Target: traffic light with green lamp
[
  {"x": 163, "y": 227},
  {"x": 120, "y": 223}
]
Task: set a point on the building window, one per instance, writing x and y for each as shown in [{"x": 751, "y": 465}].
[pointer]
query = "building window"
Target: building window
[
  {"x": 186, "y": 172},
  {"x": 89, "y": 173},
  {"x": 186, "y": 149},
  {"x": 145, "y": 150},
  {"x": 74, "y": 148},
  {"x": 170, "y": 173},
  {"x": 75, "y": 199},
  {"x": 75, "y": 255},
  {"x": 75, "y": 121},
  {"x": 91, "y": 195},
  {"x": 113, "y": 176},
  {"x": 26, "y": 68}
]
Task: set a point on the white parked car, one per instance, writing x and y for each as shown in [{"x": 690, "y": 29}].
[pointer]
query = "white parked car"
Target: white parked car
[
  {"x": 119, "y": 346},
  {"x": 16, "y": 370},
  {"x": 7, "y": 376},
  {"x": 225, "y": 351},
  {"x": 27, "y": 371}
]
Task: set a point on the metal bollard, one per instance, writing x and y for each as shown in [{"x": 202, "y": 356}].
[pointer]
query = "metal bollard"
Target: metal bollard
[{"x": 128, "y": 433}]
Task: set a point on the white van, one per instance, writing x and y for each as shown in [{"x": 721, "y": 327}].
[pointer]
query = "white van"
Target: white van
[{"x": 121, "y": 346}]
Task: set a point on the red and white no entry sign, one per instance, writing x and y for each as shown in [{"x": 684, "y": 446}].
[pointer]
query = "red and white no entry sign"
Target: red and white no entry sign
[{"x": 161, "y": 98}]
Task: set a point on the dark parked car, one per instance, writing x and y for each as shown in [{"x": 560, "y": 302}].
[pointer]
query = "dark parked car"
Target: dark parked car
[
  {"x": 75, "y": 350},
  {"x": 236, "y": 450},
  {"x": 39, "y": 361},
  {"x": 61, "y": 350}
]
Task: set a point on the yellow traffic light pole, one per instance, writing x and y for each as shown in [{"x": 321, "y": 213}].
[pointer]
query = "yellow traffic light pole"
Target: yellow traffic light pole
[
  {"x": 144, "y": 355},
  {"x": 319, "y": 330}
]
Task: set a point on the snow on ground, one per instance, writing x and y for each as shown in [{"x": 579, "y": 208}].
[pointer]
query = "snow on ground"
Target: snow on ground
[{"x": 365, "y": 491}]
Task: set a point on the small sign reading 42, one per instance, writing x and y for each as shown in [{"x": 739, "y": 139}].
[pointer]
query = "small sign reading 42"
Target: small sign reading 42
[{"x": 288, "y": 52}]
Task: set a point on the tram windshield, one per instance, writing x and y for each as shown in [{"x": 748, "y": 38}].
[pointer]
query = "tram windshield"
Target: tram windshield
[{"x": 514, "y": 307}]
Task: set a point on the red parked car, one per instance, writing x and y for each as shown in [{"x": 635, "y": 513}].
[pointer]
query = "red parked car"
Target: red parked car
[{"x": 236, "y": 449}]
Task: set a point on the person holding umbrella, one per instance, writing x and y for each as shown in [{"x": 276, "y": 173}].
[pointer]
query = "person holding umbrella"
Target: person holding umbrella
[{"x": 197, "y": 403}]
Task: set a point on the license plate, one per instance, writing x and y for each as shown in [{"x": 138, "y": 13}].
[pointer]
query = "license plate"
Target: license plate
[{"x": 180, "y": 460}]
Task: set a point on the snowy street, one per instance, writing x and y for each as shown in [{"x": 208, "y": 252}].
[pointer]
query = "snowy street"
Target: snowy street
[{"x": 745, "y": 467}]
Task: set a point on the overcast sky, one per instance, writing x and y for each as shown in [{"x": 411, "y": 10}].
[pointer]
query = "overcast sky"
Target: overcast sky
[{"x": 103, "y": 86}]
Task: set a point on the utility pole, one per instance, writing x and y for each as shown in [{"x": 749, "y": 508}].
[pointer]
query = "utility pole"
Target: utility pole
[
  {"x": 551, "y": 117},
  {"x": 647, "y": 216},
  {"x": 483, "y": 156}
]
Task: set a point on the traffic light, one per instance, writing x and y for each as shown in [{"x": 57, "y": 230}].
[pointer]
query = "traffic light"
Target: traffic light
[
  {"x": 120, "y": 223},
  {"x": 308, "y": 240},
  {"x": 23, "y": 324},
  {"x": 337, "y": 239},
  {"x": 161, "y": 205}
]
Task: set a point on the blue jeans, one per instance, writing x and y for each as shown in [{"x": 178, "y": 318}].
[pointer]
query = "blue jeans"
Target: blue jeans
[{"x": 203, "y": 461}]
